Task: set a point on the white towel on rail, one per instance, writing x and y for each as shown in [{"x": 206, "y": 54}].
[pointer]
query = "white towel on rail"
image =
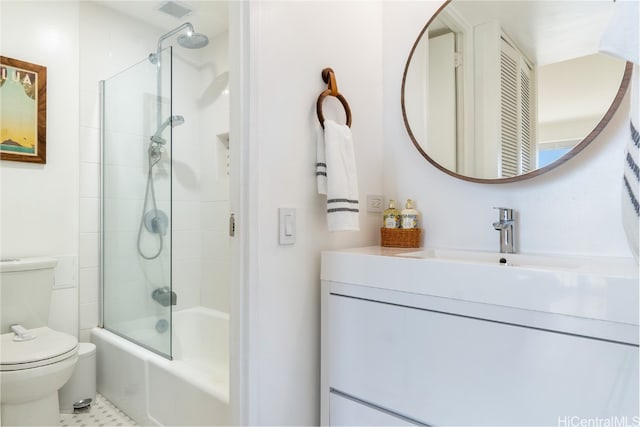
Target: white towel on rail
[
  {"x": 631, "y": 182},
  {"x": 621, "y": 35},
  {"x": 321, "y": 162},
  {"x": 341, "y": 179},
  {"x": 621, "y": 39}
]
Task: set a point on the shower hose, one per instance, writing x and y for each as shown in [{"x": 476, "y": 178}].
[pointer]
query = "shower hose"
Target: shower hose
[{"x": 154, "y": 158}]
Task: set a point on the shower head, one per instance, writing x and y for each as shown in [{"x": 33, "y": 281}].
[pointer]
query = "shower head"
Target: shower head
[
  {"x": 190, "y": 40},
  {"x": 193, "y": 40},
  {"x": 173, "y": 121}
]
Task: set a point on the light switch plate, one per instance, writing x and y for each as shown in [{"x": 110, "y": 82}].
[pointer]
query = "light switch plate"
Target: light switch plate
[{"x": 287, "y": 219}]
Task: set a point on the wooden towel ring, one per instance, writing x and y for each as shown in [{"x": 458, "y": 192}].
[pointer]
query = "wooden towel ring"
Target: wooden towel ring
[{"x": 329, "y": 77}]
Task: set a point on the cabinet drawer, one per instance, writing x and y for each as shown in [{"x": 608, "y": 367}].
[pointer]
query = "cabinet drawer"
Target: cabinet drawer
[
  {"x": 444, "y": 369},
  {"x": 348, "y": 412}
]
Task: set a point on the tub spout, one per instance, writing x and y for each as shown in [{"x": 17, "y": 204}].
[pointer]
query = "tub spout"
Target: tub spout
[{"x": 164, "y": 296}]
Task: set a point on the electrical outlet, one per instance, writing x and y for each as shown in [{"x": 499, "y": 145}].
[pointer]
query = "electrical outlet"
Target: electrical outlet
[{"x": 375, "y": 203}]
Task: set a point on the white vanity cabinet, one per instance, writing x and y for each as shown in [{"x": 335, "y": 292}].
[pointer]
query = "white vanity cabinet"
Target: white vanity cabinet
[
  {"x": 348, "y": 411},
  {"x": 397, "y": 357}
]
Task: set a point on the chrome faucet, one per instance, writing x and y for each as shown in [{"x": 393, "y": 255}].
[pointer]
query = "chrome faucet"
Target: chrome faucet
[{"x": 506, "y": 225}]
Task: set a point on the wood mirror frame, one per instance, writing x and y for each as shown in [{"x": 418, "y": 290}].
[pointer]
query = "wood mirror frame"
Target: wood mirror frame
[{"x": 624, "y": 85}]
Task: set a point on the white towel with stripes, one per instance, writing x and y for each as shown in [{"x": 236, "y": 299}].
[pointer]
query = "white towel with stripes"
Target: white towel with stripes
[
  {"x": 631, "y": 175},
  {"x": 621, "y": 35},
  {"x": 321, "y": 162},
  {"x": 621, "y": 39},
  {"x": 337, "y": 177}
]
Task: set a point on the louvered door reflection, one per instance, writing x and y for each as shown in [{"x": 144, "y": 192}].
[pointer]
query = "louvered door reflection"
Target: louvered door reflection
[{"x": 516, "y": 113}]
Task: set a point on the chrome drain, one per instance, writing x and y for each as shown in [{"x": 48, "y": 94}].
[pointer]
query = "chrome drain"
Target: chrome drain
[
  {"x": 162, "y": 326},
  {"x": 82, "y": 404}
]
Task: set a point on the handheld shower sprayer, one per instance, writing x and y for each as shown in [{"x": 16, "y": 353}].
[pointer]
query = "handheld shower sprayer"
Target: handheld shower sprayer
[
  {"x": 155, "y": 220},
  {"x": 173, "y": 121}
]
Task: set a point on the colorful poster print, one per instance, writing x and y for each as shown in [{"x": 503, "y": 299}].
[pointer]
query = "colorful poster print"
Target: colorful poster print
[{"x": 22, "y": 111}]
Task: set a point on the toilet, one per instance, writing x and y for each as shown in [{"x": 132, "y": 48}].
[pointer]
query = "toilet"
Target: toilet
[{"x": 35, "y": 360}]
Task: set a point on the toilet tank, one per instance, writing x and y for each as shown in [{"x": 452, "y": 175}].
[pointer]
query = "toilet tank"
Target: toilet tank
[{"x": 25, "y": 292}]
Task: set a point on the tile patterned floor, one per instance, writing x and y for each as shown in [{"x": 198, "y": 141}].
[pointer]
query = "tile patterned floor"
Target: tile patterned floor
[{"x": 102, "y": 413}]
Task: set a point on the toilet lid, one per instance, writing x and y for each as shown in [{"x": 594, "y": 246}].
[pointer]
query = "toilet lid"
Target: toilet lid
[{"x": 47, "y": 347}]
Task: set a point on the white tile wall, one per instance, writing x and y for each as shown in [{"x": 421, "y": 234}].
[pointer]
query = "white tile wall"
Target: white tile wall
[
  {"x": 88, "y": 315},
  {"x": 63, "y": 315},
  {"x": 110, "y": 43},
  {"x": 89, "y": 250},
  {"x": 89, "y": 180},
  {"x": 89, "y": 285},
  {"x": 186, "y": 244},
  {"x": 89, "y": 99},
  {"x": 89, "y": 145},
  {"x": 89, "y": 205},
  {"x": 89, "y": 214},
  {"x": 215, "y": 209},
  {"x": 186, "y": 279},
  {"x": 89, "y": 177},
  {"x": 186, "y": 215}
]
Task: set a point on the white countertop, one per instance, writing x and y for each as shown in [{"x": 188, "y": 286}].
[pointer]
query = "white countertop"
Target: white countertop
[{"x": 600, "y": 289}]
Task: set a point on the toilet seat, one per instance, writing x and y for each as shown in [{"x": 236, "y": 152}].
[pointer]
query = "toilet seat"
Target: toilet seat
[{"x": 47, "y": 348}]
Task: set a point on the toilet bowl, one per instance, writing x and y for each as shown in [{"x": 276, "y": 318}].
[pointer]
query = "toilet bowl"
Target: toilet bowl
[
  {"x": 35, "y": 360},
  {"x": 31, "y": 372}
]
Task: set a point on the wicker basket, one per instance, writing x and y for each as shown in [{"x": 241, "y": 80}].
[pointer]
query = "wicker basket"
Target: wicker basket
[{"x": 400, "y": 238}]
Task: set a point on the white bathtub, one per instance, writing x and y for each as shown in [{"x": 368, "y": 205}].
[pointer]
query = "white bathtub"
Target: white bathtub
[{"x": 191, "y": 389}]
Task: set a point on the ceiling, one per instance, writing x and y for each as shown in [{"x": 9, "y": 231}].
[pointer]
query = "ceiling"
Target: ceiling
[
  {"x": 546, "y": 31},
  {"x": 210, "y": 17}
]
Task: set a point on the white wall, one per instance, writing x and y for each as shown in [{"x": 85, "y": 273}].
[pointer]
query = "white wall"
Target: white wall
[
  {"x": 290, "y": 44},
  {"x": 574, "y": 95},
  {"x": 574, "y": 209},
  {"x": 39, "y": 203}
]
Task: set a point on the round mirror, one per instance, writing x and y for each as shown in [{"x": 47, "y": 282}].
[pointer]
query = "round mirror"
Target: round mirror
[{"x": 497, "y": 91}]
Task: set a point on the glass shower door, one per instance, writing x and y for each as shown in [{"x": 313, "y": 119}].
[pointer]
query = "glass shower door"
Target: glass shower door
[{"x": 136, "y": 204}]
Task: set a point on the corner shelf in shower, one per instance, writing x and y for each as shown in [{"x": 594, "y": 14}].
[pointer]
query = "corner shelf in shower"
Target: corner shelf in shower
[{"x": 224, "y": 138}]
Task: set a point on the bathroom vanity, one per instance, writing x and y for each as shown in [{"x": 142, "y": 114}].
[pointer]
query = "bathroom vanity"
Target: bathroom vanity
[{"x": 444, "y": 337}]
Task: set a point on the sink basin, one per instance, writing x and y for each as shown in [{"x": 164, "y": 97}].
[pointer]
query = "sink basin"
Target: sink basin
[
  {"x": 598, "y": 293},
  {"x": 597, "y": 265}
]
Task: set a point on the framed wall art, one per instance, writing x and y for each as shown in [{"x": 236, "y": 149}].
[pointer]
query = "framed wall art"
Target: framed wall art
[{"x": 23, "y": 111}]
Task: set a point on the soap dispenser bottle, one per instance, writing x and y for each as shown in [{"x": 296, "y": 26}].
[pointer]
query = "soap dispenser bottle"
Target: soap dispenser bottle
[
  {"x": 409, "y": 216},
  {"x": 391, "y": 216}
]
